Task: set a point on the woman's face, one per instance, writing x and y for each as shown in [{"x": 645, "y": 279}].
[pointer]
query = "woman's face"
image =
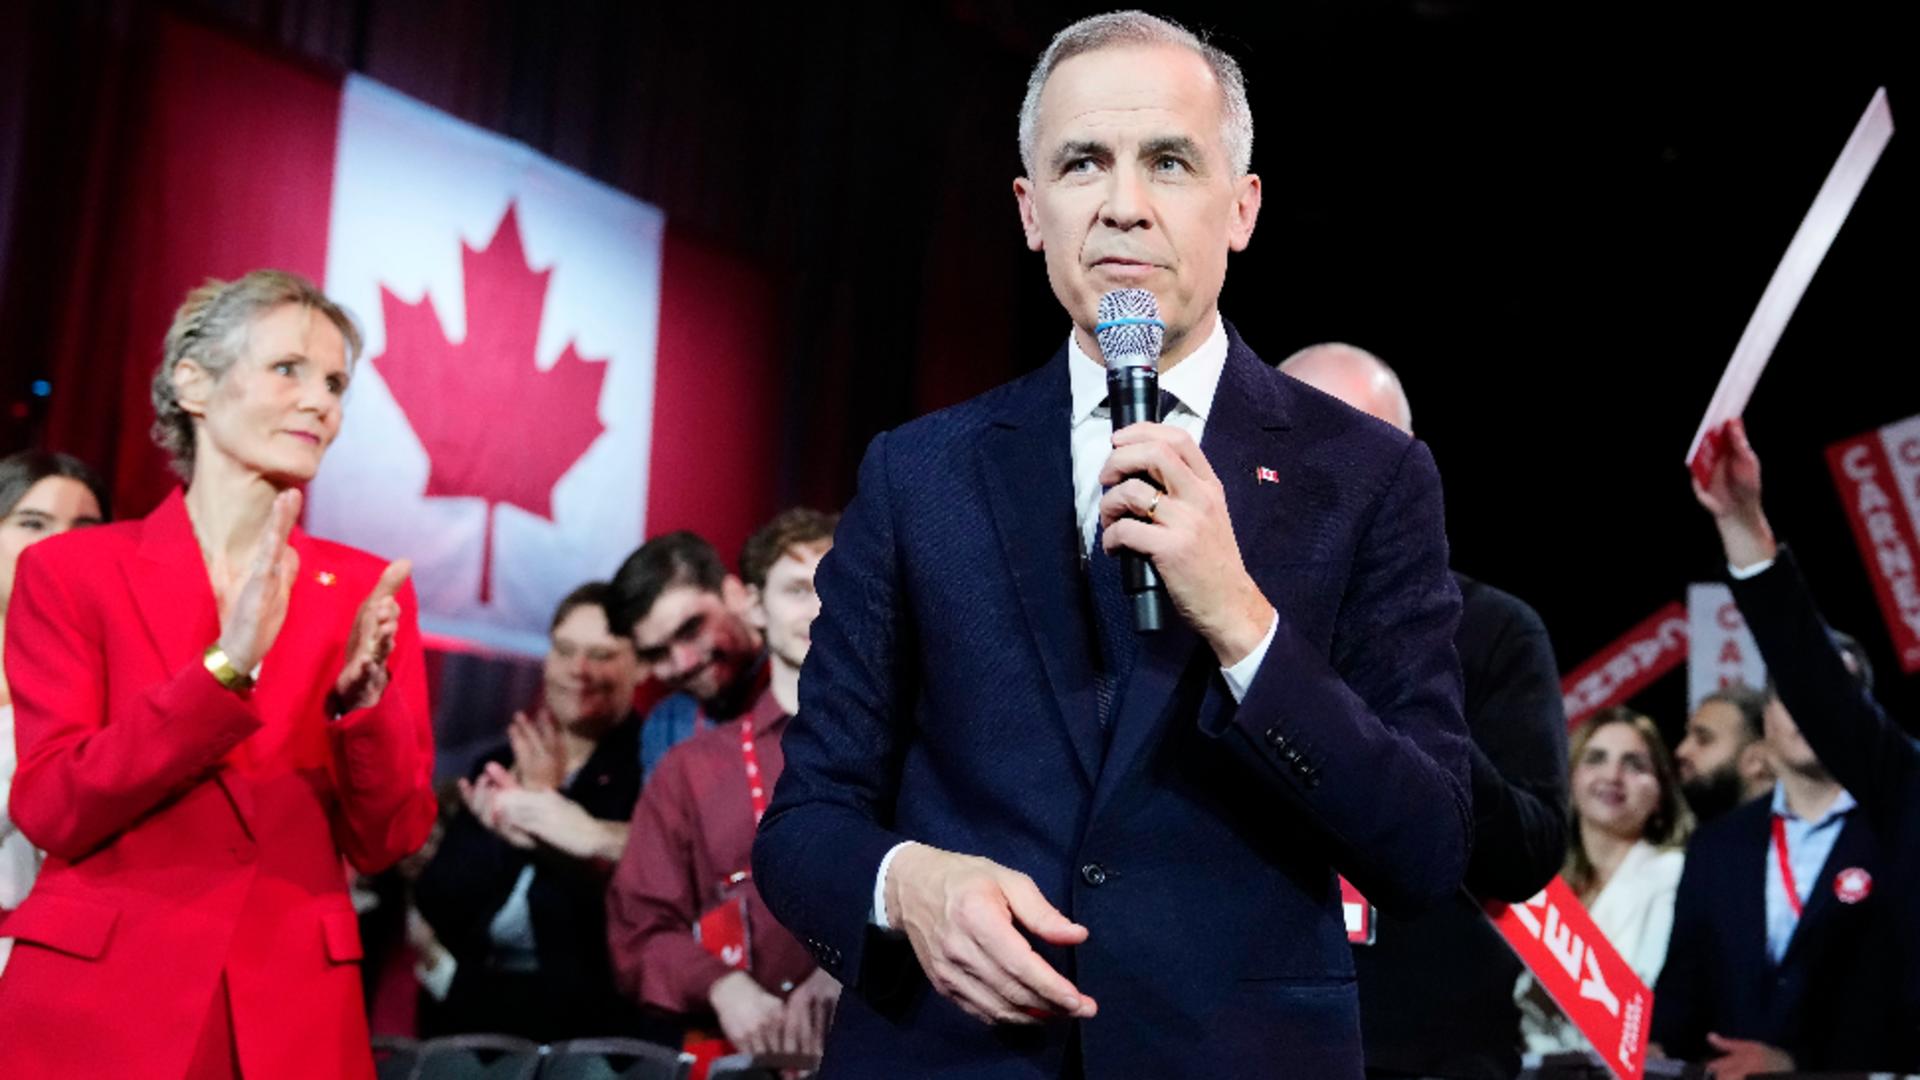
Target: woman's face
[
  {"x": 1614, "y": 785},
  {"x": 49, "y": 508},
  {"x": 277, "y": 408}
]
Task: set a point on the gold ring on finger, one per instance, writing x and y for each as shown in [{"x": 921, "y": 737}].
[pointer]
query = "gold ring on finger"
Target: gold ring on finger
[{"x": 1153, "y": 507}]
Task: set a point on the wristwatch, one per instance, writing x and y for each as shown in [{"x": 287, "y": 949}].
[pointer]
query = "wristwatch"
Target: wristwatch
[{"x": 223, "y": 671}]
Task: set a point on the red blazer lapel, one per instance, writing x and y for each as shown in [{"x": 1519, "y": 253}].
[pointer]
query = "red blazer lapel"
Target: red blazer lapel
[{"x": 170, "y": 586}]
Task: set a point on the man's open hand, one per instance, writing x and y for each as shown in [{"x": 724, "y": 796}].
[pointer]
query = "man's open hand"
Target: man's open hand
[{"x": 959, "y": 913}]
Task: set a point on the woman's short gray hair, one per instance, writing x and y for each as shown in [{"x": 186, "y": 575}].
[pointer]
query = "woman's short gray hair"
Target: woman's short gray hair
[
  {"x": 209, "y": 326},
  {"x": 1140, "y": 28}
]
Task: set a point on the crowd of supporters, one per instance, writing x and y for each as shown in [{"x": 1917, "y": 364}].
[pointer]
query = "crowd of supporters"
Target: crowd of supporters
[{"x": 591, "y": 875}]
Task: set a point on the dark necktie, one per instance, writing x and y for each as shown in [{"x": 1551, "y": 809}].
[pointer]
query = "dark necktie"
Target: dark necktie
[{"x": 1113, "y": 613}]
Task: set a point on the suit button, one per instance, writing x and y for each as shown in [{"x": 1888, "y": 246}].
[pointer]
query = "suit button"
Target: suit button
[
  {"x": 1094, "y": 874},
  {"x": 1275, "y": 739}
]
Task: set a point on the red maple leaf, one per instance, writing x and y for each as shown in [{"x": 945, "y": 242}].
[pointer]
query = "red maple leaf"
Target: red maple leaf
[{"x": 495, "y": 427}]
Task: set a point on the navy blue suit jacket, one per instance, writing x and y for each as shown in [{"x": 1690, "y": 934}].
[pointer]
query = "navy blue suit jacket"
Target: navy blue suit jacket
[{"x": 949, "y": 698}]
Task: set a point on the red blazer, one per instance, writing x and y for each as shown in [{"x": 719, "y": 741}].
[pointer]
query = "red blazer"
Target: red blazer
[{"x": 192, "y": 832}]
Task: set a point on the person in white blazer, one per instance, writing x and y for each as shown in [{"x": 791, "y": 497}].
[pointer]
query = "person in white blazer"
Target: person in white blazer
[{"x": 1629, "y": 828}]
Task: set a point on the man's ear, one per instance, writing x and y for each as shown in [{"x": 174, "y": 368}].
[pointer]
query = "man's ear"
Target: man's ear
[
  {"x": 756, "y": 613},
  {"x": 1754, "y": 764},
  {"x": 192, "y": 385},
  {"x": 735, "y": 595},
  {"x": 1029, "y": 222},
  {"x": 1246, "y": 211}
]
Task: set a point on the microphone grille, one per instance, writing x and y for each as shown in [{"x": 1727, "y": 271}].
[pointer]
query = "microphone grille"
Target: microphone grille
[{"x": 1129, "y": 327}]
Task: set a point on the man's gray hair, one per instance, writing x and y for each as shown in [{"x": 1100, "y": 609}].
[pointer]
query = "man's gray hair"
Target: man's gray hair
[{"x": 1140, "y": 28}]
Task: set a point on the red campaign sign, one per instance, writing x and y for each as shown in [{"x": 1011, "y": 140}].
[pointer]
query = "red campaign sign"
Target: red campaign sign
[
  {"x": 1578, "y": 967},
  {"x": 1625, "y": 667},
  {"x": 1878, "y": 477}
]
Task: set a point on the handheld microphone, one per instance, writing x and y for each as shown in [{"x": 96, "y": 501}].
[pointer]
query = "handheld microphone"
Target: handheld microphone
[{"x": 1130, "y": 334}]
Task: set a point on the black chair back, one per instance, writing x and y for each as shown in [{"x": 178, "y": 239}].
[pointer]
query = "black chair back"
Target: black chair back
[
  {"x": 395, "y": 1057},
  {"x": 614, "y": 1059},
  {"x": 478, "y": 1057}
]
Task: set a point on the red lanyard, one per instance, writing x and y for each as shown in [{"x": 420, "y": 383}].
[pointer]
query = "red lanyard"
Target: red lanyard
[
  {"x": 756, "y": 790},
  {"x": 1786, "y": 866}
]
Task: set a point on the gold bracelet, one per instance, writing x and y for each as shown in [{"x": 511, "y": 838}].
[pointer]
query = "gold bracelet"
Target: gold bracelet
[{"x": 220, "y": 665}]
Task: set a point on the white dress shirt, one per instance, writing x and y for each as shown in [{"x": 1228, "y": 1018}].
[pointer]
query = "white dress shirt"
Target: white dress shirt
[{"x": 1193, "y": 382}]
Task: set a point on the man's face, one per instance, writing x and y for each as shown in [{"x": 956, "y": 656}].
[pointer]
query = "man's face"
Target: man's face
[
  {"x": 698, "y": 641},
  {"x": 591, "y": 672},
  {"x": 1133, "y": 188},
  {"x": 786, "y": 606},
  {"x": 1715, "y": 736},
  {"x": 1709, "y": 758}
]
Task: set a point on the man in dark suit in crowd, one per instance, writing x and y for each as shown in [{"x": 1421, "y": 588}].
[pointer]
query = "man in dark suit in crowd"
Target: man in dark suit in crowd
[
  {"x": 1723, "y": 757},
  {"x": 516, "y": 891},
  {"x": 1835, "y": 987},
  {"x": 1032, "y": 842},
  {"x": 1436, "y": 991}
]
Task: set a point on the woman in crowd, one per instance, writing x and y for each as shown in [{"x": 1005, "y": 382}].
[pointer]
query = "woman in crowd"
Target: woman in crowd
[
  {"x": 517, "y": 890},
  {"x": 1629, "y": 830},
  {"x": 212, "y": 709},
  {"x": 41, "y": 495}
]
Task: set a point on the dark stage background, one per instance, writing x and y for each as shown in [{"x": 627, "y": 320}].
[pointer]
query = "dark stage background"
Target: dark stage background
[{"x": 1554, "y": 219}]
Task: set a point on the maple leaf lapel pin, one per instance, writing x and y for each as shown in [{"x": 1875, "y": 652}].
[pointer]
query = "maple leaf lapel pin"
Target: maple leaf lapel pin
[
  {"x": 494, "y": 426},
  {"x": 1266, "y": 475}
]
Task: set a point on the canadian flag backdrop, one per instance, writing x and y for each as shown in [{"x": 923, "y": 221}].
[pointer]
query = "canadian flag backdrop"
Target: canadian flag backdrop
[{"x": 551, "y": 374}]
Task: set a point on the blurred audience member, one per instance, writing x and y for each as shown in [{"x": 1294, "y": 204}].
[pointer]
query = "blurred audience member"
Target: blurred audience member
[
  {"x": 1436, "y": 992},
  {"x": 1799, "y": 949},
  {"x": 1629, "y": 825},
  {"x": 516, "y": 890},
  {"x": 41, "y": 495},
  {"x": 688, "y": 929},
  {"x": 1722, "y": 760},
  {"x": 689, "y": 620}
]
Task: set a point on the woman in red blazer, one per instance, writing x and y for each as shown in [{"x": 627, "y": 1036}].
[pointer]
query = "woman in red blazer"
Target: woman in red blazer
[{"x": 212, "y": 710}]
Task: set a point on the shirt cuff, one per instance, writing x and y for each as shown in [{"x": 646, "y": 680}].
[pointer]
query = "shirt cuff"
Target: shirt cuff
[
  {"x": 878, "y": 916},
  {"x": 1742, "y": 573},
  {"x": 1240, "y": 676}
]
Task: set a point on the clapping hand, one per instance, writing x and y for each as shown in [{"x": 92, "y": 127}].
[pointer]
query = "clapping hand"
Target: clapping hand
[
  {"x": 253, "y": 615},
  {"x": 539, "y": 751},
  {"x": 363, "y": 677},
  {"x": 483, "y": 800}
]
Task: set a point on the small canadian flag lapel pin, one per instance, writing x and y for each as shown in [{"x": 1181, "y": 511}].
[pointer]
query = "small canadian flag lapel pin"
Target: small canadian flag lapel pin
[
  {"x": 324, "y": 577},
  {"x": 1266, "y": 475}
]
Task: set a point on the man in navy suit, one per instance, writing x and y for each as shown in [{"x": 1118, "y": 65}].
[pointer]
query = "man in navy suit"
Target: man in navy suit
[
  {"x": 1838, "y": 983},
  {"x": 1032, "y": 843}
]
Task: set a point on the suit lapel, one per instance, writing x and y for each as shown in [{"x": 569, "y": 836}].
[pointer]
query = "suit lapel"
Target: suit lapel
[
  {"x": 175, "y": 598},
  {"x": 1851, "y": 848},
  {"x": 170, "y": 586},
  {"x": 1026, "y": 468},
  {"x": 1241, "y": 435}
]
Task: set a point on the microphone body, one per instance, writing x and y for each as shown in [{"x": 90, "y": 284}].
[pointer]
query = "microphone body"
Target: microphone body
[{"x": 1130, "y": 333}]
